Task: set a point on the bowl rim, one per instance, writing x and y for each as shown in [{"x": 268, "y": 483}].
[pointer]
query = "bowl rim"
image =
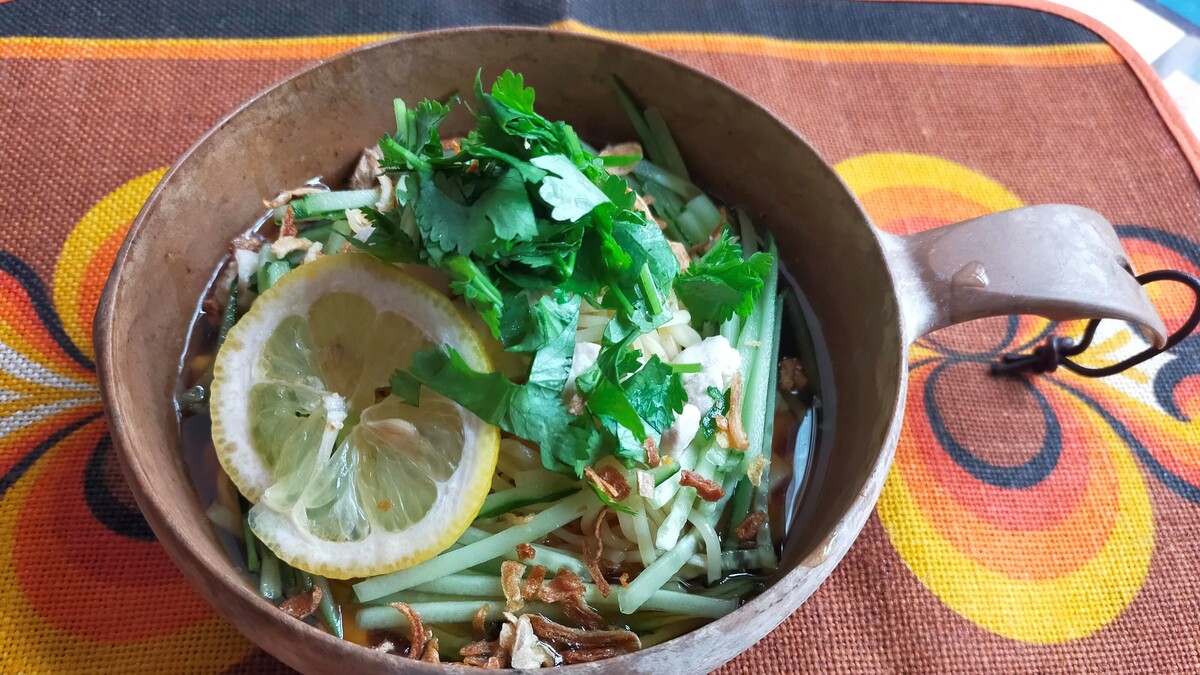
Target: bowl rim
[{"x": 211, "y": 582}]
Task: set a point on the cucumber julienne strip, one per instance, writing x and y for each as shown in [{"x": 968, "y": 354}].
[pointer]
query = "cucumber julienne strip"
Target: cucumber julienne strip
[
  {"x": 319, "y": 203},
  {"x": 649, "y": 140},
  {"x": 268, "y": 579},
  {"x": 762, "y": 493},
  {"x": 680, "y": 186},
  {"x": 669, "y": 154},
  {"x": 502, "y": 502},
  {"x": 479, "y": 552},
  {"x": 448, "y": 611},
  {"x": 552, "y": 558},
  {"x": 658, "y": 573},
  {"x": 331, "y": 612},
  {"x": 458, "y": 585}
]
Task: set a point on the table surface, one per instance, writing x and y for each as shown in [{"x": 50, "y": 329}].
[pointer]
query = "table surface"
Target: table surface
[{"x": 1042, "y": 525}]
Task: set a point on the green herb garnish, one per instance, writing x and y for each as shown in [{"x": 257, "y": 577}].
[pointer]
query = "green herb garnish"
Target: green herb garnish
[{"x": 527, "y": 223}]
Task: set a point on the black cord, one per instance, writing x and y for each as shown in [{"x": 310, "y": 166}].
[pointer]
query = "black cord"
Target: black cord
[{"x": 1057, "y": 351}]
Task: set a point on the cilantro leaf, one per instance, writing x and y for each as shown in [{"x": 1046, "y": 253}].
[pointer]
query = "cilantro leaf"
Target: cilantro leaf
[
  {"x": 532, "y": 412},
  {"x": 656, "y": 393},
  {"x": 506, "y": 207},
  {"x": 721, "y": 282},
  {"x": 488, "y": 395},
  {"x": 720, "y": 406},
  {"x": 473, "y": 283},
  {"x": 526, "y": 327},
  {"x": 568, "y": 192},
  {"x": 388, "y": 242},
  {"x": 446, "y": 222},
  {"x": 608, "y": 403},
  {"x": 529, "y": 172},
  {"x": 510, "y": 90},
  {"x": 510, "y": 122},
  {"x": 645, "y": 244},
  {"x": 416, "y": 129},
  {"x": 558, "y": 319}
]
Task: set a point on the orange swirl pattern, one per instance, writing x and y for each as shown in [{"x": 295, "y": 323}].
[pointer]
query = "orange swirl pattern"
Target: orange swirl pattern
[
  {"x": 1045, "y": 539},
  {"x": 65, "y": 511}
]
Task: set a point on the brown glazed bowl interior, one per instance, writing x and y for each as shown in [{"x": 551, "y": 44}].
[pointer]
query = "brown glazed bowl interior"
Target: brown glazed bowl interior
[{"x": 316, "y": 123}]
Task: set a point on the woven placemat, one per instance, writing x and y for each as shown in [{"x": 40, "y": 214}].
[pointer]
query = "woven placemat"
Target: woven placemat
[{"x": 1040, "y": 526}]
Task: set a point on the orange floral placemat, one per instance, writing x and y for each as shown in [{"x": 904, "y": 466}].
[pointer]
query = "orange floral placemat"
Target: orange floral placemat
[{"x": 1040, "y": 526}]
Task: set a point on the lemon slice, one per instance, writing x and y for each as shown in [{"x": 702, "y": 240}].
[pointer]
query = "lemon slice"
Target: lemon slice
[{"x": 347, "y": 481}]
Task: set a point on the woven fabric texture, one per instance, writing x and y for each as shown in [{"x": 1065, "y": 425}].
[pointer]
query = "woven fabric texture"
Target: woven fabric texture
[{"x": 1039, "y": 526}]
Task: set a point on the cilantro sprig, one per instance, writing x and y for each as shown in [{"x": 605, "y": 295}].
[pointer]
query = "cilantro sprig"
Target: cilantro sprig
[{"x": 526, "y": 223}]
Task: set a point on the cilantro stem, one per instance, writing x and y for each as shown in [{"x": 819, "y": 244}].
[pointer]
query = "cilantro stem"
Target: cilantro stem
[
  {"x": 687, "y": 367},
  {"x": 650, "y": 290},
  {"x": 401, "y": 111},
  {"x": 615, "y": 161},
  {"x": 623, "y": 301}
]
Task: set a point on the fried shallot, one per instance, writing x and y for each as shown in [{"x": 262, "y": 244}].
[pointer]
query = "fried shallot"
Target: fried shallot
[
  {"x": 593, "y": 548},
  {"x": 303, "y": 605},
  {"x": 511, "y": 573},
  {"x": 705, "y": 488},
  {"x": 533, "y": 583},
  {"x": 748, "y": 529},
  {"x": 418, "y": 634},
  {"x": 554, "y": 632}
]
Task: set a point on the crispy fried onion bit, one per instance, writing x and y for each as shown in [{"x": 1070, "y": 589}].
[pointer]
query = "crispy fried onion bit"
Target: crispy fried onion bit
[
  {"x": 748, "y": 529},
  {"x": 754, "y": 470},
  {"x": 479, "y": 621},
  {"x": 522, "y": 646},
  {"x": 610, "y": 480},
  {"x": 707, "y": 489},
  {"x": 418, "y": 636},
  {"x": 483, "y": 654},
  {"x": 526, "y": 552},
  {"x": 518, "y": 646},
  {"x": 285, "y": 197},
  {"x": 580, "y": 646},
  {"x": 651, "y": 447},
  {"x": 533, "y": 583},
  {"x": 511, "y": 573},
  {"x": 732, "y": 433},
  {"x": 593, "y": 548},
  {"x": 431, "y": 654},
  {"x": 618, "y": 151},
  {"x": 303, "y": 605},
  {"x": 791, "y": 375},
  {"x": 567, "y": 589}
]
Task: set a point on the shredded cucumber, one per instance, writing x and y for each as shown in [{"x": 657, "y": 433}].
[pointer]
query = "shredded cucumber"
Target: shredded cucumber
[
  {"x": 471, "y": 555},
  {"x": 319, "y": 204}
]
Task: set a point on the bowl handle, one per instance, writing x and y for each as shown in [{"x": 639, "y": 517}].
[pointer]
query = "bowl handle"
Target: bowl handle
[{"x": 1057, "y": 261}]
